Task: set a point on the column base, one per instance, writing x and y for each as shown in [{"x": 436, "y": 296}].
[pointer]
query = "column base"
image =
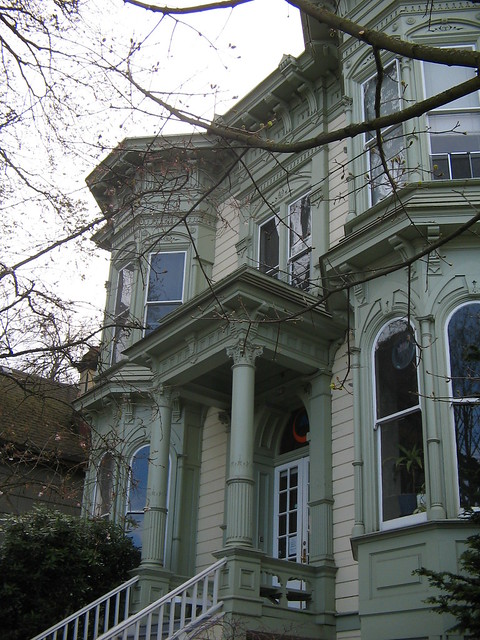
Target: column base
[{"x": 153, "y": 583}]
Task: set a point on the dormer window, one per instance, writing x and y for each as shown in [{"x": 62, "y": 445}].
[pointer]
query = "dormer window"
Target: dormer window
[{"x": 165, "y": 286}]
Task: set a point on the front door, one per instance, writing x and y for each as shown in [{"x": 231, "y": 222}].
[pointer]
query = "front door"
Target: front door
[{"x": 291, "y": 511}]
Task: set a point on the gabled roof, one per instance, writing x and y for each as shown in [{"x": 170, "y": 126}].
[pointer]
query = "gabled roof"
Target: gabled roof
[{"x": 37, "y": 414}]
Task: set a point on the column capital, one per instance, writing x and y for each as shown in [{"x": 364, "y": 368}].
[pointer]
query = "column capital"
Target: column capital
[
  {"x": 244, "y": 352},
  {"x": 161, "y": 392}
]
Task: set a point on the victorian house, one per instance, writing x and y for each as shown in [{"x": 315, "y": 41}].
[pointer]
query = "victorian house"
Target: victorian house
[{"x": 289, "y": 381}]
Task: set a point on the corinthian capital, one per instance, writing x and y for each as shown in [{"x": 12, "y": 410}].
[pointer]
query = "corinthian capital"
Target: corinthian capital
[{"x": 244, "y": 352}]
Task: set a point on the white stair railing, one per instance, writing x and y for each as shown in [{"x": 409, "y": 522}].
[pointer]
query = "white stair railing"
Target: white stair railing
[
  {"x": 95, "y": 618},
  {"x": 175, "y": 613}
]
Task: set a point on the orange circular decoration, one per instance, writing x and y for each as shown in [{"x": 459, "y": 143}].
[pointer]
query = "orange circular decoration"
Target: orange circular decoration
[{"x": 301, "y": 439}]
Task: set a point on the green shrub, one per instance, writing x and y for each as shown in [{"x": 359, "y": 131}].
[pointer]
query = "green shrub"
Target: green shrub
[{"x": 52, "y": 564}]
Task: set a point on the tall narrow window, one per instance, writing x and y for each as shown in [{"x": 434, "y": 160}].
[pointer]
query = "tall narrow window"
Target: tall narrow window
[
  {"x": 300, "y": 242},
  {"x": 137, "y": 494},
  {"x": 123, "y": 299},
  {"x": 455, "y": 127},
  {"x": 165, "y": 286},
  {"x": 464, "y": 347},
  {"x": 392, "y": 138},
  {"x": 269, "y": 247},
  {"x": 399, "y": 423},
  {"x": 104, "y": 487}
]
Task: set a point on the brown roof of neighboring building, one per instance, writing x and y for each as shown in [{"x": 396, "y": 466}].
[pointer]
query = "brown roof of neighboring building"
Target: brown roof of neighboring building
[{"x": 37, "y": 414}]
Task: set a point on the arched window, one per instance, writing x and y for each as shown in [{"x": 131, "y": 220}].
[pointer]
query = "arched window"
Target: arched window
[
  {"x": 398, "y": 421},
  {"x": 104, "y": 487},
  {"x": 464, "y": 350},
  {"x": 137, "y": 494}
]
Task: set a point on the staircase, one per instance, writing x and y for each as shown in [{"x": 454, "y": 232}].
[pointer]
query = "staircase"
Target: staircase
[{"x": 185, "y": 609}]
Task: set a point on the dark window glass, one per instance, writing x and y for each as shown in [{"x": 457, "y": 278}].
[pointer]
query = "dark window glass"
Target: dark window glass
[
  {"x": 269, "y": 247},
  {"x": 123, "y": 301},
  {"x": 464, "y": 346},
  {"x": 300, "y": 239},
  {"x": 165, "y": 287},
  {"x": 137, "y": 494},
  {"x": 396, "y": 369},
  {"x": 104, "y": 487}
]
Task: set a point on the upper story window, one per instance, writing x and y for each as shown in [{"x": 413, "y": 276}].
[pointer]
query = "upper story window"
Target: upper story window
[
  {"x": 123, "y": 301},
  {"x": 104, "y": 487},
  {"x": 455, "y": 127},
  {"x": 285, "y": 244},
  {"x": 300, "y": 242},
  {"x": 464, "y": 351},
  {"x": 165, "y": 286},
  {"x": 399, "y": 424},
  {"x": 269, "y": 247},
  {"x": 392, "y": 137}
]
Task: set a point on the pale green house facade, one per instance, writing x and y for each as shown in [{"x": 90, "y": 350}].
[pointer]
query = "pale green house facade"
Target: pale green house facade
[{"x": 326, "y": 449}]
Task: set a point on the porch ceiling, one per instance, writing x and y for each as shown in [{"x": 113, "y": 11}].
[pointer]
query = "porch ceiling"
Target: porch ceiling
[{"x": 189, "y": 349}]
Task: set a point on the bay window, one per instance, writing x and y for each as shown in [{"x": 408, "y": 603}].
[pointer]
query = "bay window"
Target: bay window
[
  {"x": 123, "y": 300},
  {"x": 464, "y": 352},
  {"x": 398, "y": 421},
  {"x": 269, "y": 247},
  {"x": 165, "y": 286},
  {"x": 393, "y": 144},
  {"x": 454, "y": 128}
]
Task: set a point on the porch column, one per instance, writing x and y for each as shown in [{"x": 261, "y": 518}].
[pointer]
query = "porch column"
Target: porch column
[
  {"x": 155, "y": 519},
  {"x": 241, "y": 479}
]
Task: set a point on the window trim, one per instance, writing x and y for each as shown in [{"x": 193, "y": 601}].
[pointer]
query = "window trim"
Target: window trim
[{"x": 414, "y": 518}]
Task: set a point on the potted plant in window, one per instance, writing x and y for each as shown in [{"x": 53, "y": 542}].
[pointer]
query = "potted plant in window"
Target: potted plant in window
[{"x": 410, "y": 466}]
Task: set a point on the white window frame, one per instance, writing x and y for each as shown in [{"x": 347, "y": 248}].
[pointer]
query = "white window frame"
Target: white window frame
[
  {"x": 307, "y": 244},
  {"x": 475, "y": 400},
  {"x": 383, "y": 189},
  {"x": 413, "y": 518},
  {"x": 173, "y": 302},
  {"x": 120, "y": 319},
  {"x": 452, "y": 109}
]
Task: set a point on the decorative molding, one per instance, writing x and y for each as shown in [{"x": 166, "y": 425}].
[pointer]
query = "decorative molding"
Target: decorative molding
[
  {"x": 434, "y": 263},
  {"x": 244, "y": 352}
]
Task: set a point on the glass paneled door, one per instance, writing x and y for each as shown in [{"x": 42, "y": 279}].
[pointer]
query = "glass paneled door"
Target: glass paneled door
[{"x": 291, "y": 528}]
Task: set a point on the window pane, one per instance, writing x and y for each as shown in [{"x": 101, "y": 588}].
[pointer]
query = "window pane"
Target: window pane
[
  {"x": 464, "y": 344},
  {"x": 300, "y": 271},
  {"x": 396, "y": 369},
  {"x": 269, "y": 247},
  {"x": 134, "y": 529},
  {"x": 124, "y": 290},
  {"x": 394, "y": 151},
  {"x": 439, "y": 78},
  {"x": 467, "y": 423},
  {"x": 402, "y": 467},
  {"x": 137, "y": 496},
  {"x": 155, "y": 313},
  {"x": 390, "y": 101},
  {"x": 299, "y": 225},
  {"x": 104, "y": 488},
  {"x": 165, "y": 281},
  {"x": 454, "y": 132}
]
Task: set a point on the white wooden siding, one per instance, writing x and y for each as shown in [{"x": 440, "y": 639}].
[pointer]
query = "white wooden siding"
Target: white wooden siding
[
  {"x": 338, "y": 184},
  {"x": 343, "y": 508}
]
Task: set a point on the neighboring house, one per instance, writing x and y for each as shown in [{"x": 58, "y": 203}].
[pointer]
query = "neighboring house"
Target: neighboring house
[
  {"x": 42, "y": 444},
  {"x": 325, "y": 449}
]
